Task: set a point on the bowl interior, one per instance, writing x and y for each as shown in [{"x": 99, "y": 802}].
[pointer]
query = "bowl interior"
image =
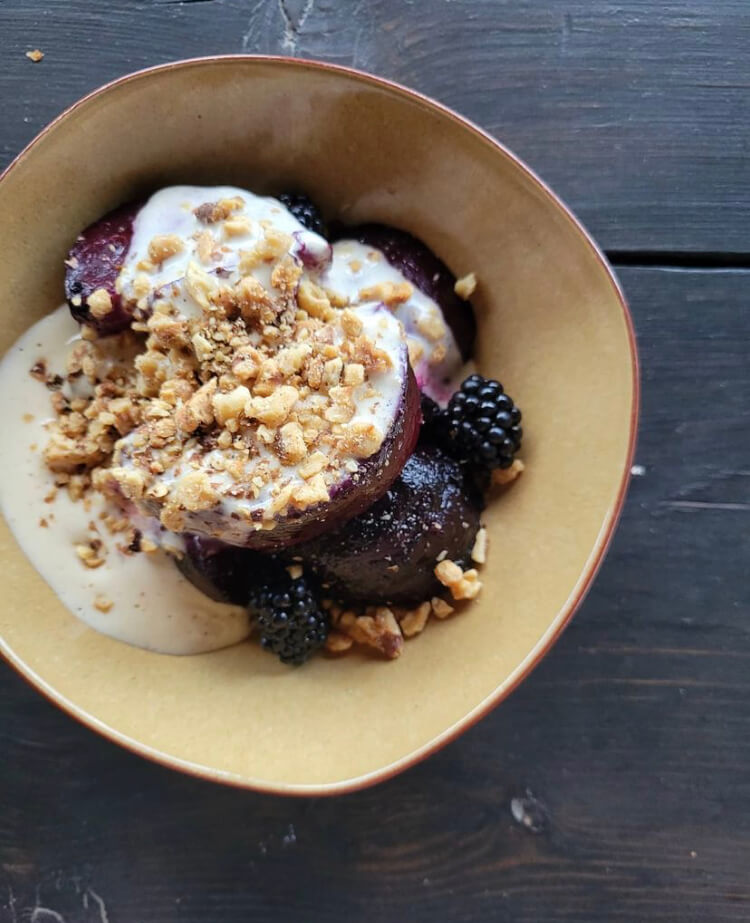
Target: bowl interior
[{"x": 552, "y": 328}]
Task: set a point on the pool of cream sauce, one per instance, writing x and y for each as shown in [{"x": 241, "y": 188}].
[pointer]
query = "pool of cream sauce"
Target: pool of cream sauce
[{"x": 154, "y": 606}]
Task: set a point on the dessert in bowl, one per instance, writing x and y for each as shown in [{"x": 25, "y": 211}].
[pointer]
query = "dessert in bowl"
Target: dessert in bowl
[
  {"x": 246, "y": 398},
  {"x": 390, "y": 468}
]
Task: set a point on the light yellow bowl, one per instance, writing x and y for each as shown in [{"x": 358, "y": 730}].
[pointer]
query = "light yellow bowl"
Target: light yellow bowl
[{"x": 552, "y": 325}]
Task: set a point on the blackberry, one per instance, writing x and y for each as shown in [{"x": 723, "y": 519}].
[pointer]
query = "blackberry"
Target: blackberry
[
  {"x": 291, "y": 622},
  {"x": 304, "y": 211},
  {"x": 481, "y": 424}
]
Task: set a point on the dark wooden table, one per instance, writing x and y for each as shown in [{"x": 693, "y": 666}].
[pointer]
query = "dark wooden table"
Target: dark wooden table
[{"x": 626, "y": 756}]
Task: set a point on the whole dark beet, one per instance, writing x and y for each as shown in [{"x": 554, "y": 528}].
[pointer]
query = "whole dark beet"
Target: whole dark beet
[
  {"x": 94, "y": 261},
  {"x": 226, "y": 573},
  {"x": 388, "y": 554},
  {"x": 423, "y": 269}
]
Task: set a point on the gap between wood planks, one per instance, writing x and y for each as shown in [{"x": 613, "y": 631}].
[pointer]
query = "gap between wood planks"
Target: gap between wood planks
[{"x": 679, "y": 259}]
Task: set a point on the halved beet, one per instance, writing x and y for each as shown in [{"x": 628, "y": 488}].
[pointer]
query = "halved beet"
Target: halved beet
[
  {"x": 417, "y": 263},
  {"x": 350, "y": 496},
  {"x": 354, "y": 493},
  {"x": 94, "y": 262},
  {"x": 226, "y": 573},
  {"x": 388, "y": 554}
]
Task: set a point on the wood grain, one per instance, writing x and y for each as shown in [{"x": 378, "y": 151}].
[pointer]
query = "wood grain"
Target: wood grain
[
  {"x": 637, "y": 113},
  {"x": 612, "y": 786}
]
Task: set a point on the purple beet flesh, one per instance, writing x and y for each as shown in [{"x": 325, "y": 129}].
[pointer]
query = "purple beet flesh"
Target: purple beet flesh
[
  {"x": 423, "y": 269},
  {"x": 388, "y": 554},
  {"x": 94, "y": 262},
  {"x": 224, "y": 572}
]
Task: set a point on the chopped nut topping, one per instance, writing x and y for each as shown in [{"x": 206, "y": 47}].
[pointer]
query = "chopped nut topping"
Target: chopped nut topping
[
  {"x": 315, "y": 463},
  {"x": 431, "y": 325},
  {"x": 391, "y": 294},
  {"x": 236, "y": 227},
  {"x": 39, "y": 370},
  {"x": 440, "y": 608},
  {"x": 274, "y": 409},
  {"x": 462, "y": 584},
  {"x": 100, "y": 303},
  {"x": 89, "y": 554},
  {"x": 194, "y": 492},
  {"x": 351, "y": 323},
  {"x": 479, "y": 551},
  {"x": 163, "y": 246},
  {"x": 314, "y": 300},
  {"x": 338, "y": 643},
  {"x": 219, "y": 403},
  {"x": 414, "y": 621},
  {"x": 103, "y": 603},
  {"x": 503, "y": 476},
  {"x": 378, "y": 629},
  {"x": 36, "y": 55},
  {"x": 466, "y": 286},
  {"x": 362, "y": 439},
  {"x": 230, "y": 406}
]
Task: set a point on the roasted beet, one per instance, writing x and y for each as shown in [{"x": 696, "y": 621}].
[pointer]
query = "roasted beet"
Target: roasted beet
[
  {"x": 388, "y": 554},
  {"x": 94, "y": 262},
  {"x": 423, "y": 269},
  {"x": 352, "y": 494},
  {"x": 224, "y": 572},
  {"x": 349, "y": 498}
]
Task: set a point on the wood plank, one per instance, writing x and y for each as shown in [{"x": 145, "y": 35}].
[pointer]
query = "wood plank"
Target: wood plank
[
  {"x": 637, "y": 113},
  {"x": 613, "y": 785}
]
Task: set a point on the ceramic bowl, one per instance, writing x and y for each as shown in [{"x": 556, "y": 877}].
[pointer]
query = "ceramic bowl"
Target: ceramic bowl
[{"x": 553, "y": 326}]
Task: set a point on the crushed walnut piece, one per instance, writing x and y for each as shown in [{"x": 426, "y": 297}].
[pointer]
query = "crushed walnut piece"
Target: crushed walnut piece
[
  {"x": 501, "y": 477},
  {"x": 462, "y": 584},
  {"x": 100, "y": 303},
  {"x": 440, "y": 608},
  {"x": 479, "y": 551},
  {"x": 377, "y": 628},
  {"x": 103, "y": 603},
  {"x": 414, "y": 621},
  {"x": 90, "y": 553},
  {"x": 35, "y": 55},
  {"x": 466, "y": 286},
  {"x": 338, "y": 643}
]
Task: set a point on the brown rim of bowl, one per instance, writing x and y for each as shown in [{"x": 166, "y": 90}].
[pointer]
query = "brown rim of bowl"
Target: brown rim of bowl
[{"x": 584, "y": 582}]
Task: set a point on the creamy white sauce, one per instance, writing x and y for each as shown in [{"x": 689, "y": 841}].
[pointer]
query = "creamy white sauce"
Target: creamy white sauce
[
  {"x": 153, "y": 605},
  {"x": 356, "y": 267}
]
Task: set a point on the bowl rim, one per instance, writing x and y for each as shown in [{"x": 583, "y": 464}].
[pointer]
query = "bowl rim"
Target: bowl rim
[{"x": 593, "y": 562}]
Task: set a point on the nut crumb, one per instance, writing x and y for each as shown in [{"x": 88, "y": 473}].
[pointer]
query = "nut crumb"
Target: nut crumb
[
  {"x": 35, "y": 55},
  {"x": 100, "y": 303},
  {"x": 103, "y": 603},
  {"x": 378, "y": 628},
  {"x": 466, "y": 286},
  {"x": 504, "y": 476},
  {"x": 338, "y": 643},
  {"x": 462, "y": 584},
  {"x": 440, "y": 608},
  {"x": 414, "y": 621},
  {"x": 479, "y": 551}
]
